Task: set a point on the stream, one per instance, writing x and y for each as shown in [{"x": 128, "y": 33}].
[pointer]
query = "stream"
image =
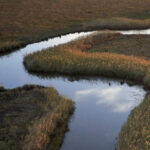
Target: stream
[{"x": 102, "y": 105}]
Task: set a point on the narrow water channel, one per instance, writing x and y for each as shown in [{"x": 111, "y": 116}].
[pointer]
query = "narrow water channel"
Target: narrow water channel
[{"x": 102, "y": 106}]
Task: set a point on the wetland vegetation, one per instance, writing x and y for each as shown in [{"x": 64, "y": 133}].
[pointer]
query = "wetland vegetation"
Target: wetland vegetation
[
  {"x": 74, "y": 58},
  {"x": 135, "y": 134},
  {"x": 18, "y": 28},
  {"x": 33, "y": 117}
]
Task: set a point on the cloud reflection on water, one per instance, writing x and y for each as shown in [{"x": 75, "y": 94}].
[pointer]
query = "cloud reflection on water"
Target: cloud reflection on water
[{"x": 118, "y": 99}]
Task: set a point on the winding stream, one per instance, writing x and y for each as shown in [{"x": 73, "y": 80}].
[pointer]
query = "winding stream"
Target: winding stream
[{"x": 102, "y": 105}]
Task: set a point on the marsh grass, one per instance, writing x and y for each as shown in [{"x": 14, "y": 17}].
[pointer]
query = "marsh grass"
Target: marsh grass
[
  {"x": 65, "y": 16},
  {"x": 33, "y": 117},
  {"x": 8, "y": 46},
  {"x": 74, "y": 59},
  {"x": 135, "y": 134},
  {"x": 133, "y": 45}
]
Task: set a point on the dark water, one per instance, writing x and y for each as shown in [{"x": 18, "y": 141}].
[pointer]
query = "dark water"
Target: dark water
[{"x": 102, "y": 106}]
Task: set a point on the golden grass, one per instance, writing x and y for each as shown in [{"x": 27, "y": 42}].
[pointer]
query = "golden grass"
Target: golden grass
[
  {"x": 33, "y": 117},
  {"x": 112, "y": 42},
  {"x": 48, "y": 132},
  {"x": 73, "y": 59}
]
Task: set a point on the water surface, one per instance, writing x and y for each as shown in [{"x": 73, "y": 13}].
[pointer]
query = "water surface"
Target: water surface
[{"x": 102, "y": 107}]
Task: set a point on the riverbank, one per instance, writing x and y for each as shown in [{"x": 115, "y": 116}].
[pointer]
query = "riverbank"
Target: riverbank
[
  {"x": 33, "y": 117},
  {"x": 19, "y": 28},
  {"x": 135, "y": 134},
  {"x": 10, "y": 45}
]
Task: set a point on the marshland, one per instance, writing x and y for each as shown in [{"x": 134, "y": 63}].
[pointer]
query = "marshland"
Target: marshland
[
  {"x": 85, "y": 86},
  {"x": 24, "y": 22},
  {"x": 30, "y": 118}
]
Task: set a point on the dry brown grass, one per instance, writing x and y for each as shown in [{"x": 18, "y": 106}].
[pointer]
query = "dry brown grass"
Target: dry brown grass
[
  {"x": 135, "y": 134},
  {"x": 72, "y": 59},
  {"x": 33, "y": 117},
  {"x": 33, "y": 20},
  {"x": 112, "y": 42},
  {"x": 134, "y": 45}
]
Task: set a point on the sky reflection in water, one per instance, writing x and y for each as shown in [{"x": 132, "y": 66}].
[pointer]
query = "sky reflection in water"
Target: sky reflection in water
[
  {"x": 113, "y": 97},
  {"x": 101, "y": 110}
]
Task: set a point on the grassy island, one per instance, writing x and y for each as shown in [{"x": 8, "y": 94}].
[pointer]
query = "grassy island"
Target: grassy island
[{"x": 75, "y": 58}]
